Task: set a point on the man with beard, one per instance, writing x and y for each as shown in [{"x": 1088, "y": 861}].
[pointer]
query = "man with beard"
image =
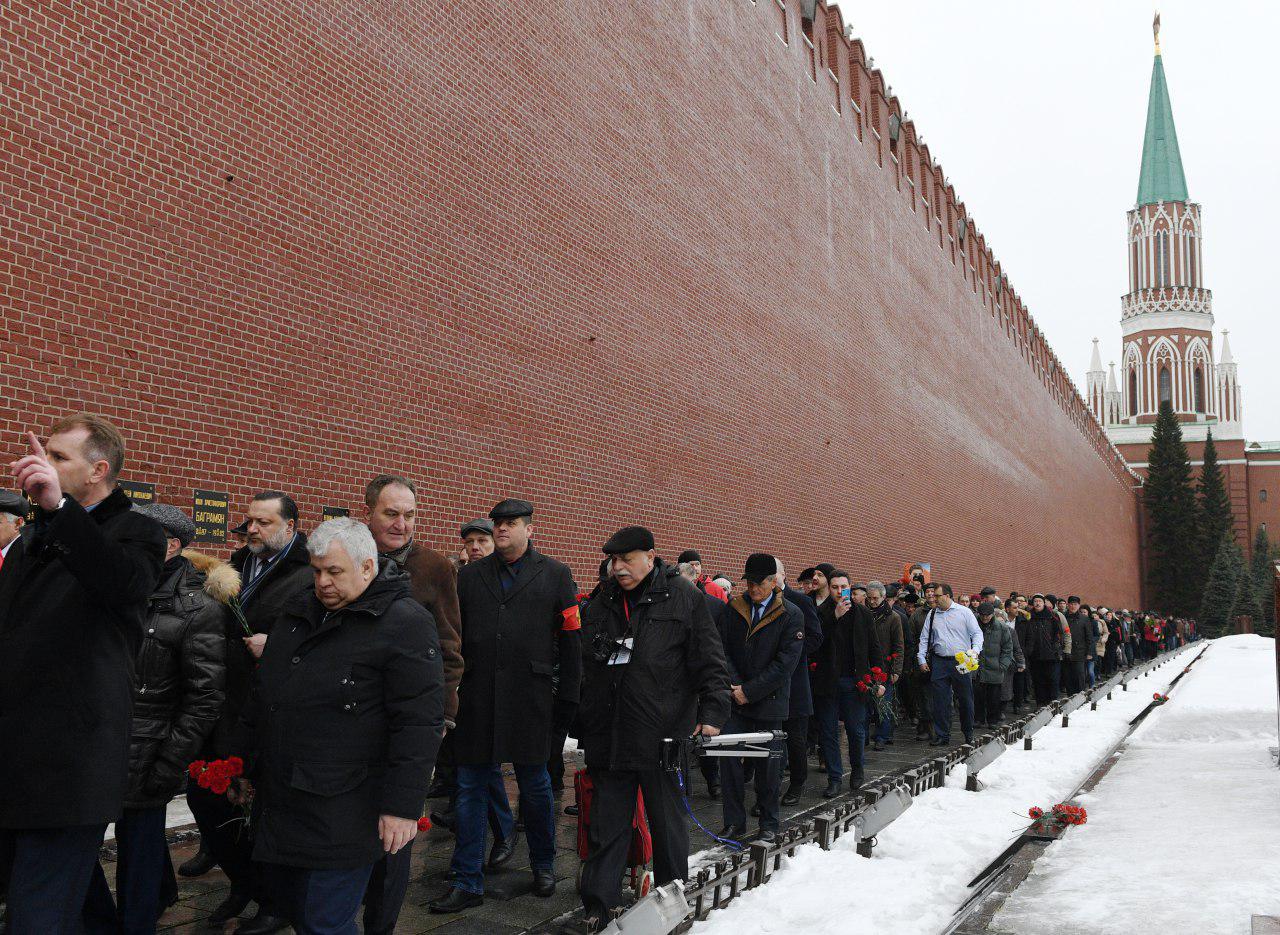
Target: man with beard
[{"x": 274, "y": 567}]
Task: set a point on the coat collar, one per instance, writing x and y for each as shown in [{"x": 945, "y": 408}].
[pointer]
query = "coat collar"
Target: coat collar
[
  {"x": 777, "y": 607},
  {"x": 390, "y": 584},
  {"x": 531, "y": 566}
]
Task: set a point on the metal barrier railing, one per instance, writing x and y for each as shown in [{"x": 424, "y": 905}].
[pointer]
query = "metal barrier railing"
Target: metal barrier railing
[{"x": 676, "y": 906}]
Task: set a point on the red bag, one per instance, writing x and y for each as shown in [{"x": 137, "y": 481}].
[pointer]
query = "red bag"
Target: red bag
[{"x": 641, "y": 851}]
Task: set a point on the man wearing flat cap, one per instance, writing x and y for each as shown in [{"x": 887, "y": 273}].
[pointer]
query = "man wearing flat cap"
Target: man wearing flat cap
[
  {"x": 702, "y": 580},
  {"x": 13, "y": 513},
  {"x": 653, "y": 668},
  {"x": 520, "y": 628},
  {"x": 763, "y": 636},
  {"x": 178, "y": 690}
]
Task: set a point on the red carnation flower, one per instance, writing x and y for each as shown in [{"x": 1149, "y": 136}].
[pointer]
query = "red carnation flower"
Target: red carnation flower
[
  {"x": 1036, "y": 813},
  {"x": 195, "y": 769},
  {"x": 424, "y": 823},
  {"x": 235, "y": 766},
  {"x": 1156, "y": 696}
]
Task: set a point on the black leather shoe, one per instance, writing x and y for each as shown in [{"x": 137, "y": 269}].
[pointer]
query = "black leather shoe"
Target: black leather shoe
[
  {"x": 503, "y": 850},
  {"x": 766, "y": 837},
  {"x": 939, "y": 742},
  {"x": 544, "y": 883},
  {"x": 448, "y": 820},
  {"x": 832, "y": 790},
  {"x": 228, "y": 909},
  {"x": 455, "y": 900},
  {"x": 921, "y": 735},
  {"x": 571, "y": 809},
  {"x": 856, "y": 780},
  {"x": 200, "y": 864},
  {"x": 264, "y": 923},
  {"x": 713, "y": 791},
  {"x": 732, "y": 832},
  {"x": 877, "y": 745},
  {"x": 968, "y": 738},
  {"x": 440, "y": 790},
  {"x": 755, "y": 810},
  {"x": 791, "y": 796}
]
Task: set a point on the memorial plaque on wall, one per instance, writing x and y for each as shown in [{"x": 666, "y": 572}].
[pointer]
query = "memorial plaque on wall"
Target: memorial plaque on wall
[
  {"x": 209, "y": 511},
  {"x": 138, "y": 492},
  {"x": 333, "y": 512}
]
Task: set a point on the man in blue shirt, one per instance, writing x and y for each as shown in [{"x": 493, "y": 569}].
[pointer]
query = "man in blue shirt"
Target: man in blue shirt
[{"x": 949, "y": 628}]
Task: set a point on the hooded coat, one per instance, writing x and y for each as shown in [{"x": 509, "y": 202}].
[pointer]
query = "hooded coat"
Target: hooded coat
[{"x": 181, "y": 676}]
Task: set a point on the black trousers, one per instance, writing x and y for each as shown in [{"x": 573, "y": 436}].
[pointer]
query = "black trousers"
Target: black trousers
[
  {"x": 767, "y": 774},
  {"x": 1021, "y": 687},
  {"x": 49, "y": 877},
  {"x": 224, "y": 835},
  {"x": 915, "y": 686},
  {"x": 145, "y": 884},
  {"x": 613, "y": 808},
  {"x": 1044, "y": 678},
  {"x": 986, "y": 702},
  {"x": 797, "y": 729},
  {"x": 384, "y": 895},
  {"x": 710, "y": 766}
]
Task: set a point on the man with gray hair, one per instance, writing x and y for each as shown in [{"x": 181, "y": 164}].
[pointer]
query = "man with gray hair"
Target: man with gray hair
[
  {"x": 13, "y": 513},
  {"x": 342, "y": 731},
  {"x": 889, "y": 634}
]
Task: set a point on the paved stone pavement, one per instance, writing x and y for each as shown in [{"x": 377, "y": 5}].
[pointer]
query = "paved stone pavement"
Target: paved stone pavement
[{"x": 509, "y": 906}]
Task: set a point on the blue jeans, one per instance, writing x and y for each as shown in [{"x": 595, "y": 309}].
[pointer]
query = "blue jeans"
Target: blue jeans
[
  {"x": 49, "y": 877},
  {"x": 884, "y": 730},
  {"x": 144, "y": 878},
  {"x": 475, "y": 792},
  {"x": 849, "y": 706},
  {"x": 321, "y": 902},
  {"x": 945, "y": 678},
  {"x": 1091, "y": 669}
]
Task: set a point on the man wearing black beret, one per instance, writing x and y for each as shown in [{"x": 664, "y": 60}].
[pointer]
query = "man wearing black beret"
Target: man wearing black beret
[
  {"x": 653, "y": 667},
  {"x": 522, "y": 670},
  {"x": 13, "y": 513}
]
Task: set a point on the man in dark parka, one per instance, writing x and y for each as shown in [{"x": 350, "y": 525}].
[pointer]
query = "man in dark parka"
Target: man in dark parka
[
  {"x": 519, "y": 618},
  {"x": 72, "y": 602},
  {"x": 342, "y": 729},
  {"x": 653, "y": 668}
]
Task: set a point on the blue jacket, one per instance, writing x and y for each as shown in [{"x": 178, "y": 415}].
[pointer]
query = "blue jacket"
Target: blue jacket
[{"x": 801, "y": 691}]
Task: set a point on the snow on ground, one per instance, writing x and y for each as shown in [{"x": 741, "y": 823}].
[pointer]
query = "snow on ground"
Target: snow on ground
[
  {"x": 921, "y": 868},
  {"x": 1184, "y": 831}
]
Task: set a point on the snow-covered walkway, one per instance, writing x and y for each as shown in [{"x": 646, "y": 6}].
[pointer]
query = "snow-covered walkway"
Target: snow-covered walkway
[
  {"x": 921, "y": 867},
  {"x": 1184, "y": 831}
]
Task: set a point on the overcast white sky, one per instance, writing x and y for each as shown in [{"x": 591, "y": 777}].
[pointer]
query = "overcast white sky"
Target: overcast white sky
[{"x": 1036, "y": 113}]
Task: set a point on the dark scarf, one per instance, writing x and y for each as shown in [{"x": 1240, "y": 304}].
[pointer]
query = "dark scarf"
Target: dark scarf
[{"x": 399, "y": 555}]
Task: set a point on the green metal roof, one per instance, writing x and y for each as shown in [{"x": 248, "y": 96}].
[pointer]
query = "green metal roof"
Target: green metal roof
[{"x": 1161, "y": 178}]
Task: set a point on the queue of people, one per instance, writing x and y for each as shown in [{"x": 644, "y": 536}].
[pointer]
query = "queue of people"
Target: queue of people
[{"x": 305, "y": 694}]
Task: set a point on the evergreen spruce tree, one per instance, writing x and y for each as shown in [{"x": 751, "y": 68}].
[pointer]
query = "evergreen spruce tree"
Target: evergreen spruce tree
[
  {"x": 1262, "y": 571},
  {"x": 1247, "y": 599},
  {"x": 1222, "y": 589},
  {"x": 1174, "y": 549},
  {"x": 1216, "y": 518}
]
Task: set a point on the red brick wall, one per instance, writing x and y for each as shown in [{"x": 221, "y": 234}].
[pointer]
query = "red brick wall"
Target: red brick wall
[{"x": 626, "y": 260}]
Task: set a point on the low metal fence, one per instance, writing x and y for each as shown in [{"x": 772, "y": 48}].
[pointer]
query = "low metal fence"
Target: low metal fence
[{"x": 863, "y": 814}]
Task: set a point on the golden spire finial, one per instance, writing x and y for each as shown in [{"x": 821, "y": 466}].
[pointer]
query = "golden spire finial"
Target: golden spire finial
[{"x": 1155, "y": 27}]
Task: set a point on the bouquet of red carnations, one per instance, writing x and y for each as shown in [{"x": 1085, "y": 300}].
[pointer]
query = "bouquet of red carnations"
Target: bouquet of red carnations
[
  {"x": 880, "y": 703},
  {"x": 1062, "y": 814},
  {"x": 217, "y": 776}
]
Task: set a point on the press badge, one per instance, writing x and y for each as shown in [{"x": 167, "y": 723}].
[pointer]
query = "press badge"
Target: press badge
[{"x": 622, "y": 655}]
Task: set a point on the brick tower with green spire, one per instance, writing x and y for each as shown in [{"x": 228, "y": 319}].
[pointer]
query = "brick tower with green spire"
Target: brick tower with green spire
[{"x": 1167, "y": 325}]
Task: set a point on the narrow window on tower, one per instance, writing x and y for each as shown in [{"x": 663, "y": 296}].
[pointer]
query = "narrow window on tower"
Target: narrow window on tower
[
  {"x": 1133, "y": 391},
  {"x": 1165, "y": 385},
  {"x": 1162, "y": 259},
  {"x": 1136, "y": 270},
  {"x": 1191, "y": 260},
  {"x": 1262, "y": 494},
  {"x": 1199, "y": 389}
]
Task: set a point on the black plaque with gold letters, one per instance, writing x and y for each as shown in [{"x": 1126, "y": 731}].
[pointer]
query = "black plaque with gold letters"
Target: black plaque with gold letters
[{"x": 209, "y": 511}]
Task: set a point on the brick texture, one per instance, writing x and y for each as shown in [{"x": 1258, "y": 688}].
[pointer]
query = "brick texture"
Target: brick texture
[{"x": 639, "y": 262}]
